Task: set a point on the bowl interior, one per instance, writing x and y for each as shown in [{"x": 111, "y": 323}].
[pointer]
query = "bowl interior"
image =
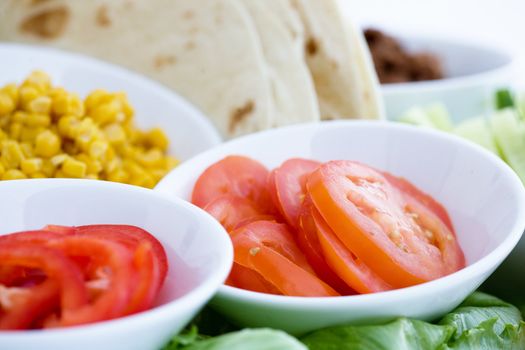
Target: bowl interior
[
  {"x": 482, "y": 195},
  {"x": 188, "y": 130},
  {"x": 198, "y": 249}
]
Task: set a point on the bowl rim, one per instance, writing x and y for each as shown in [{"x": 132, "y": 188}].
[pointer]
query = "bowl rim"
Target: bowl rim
[
  {"x": 191, "y": 299},
  {"x": 206, "y": 128},
  {"x": 459, "y": 81},
  {"x": 484, "y": 264}
]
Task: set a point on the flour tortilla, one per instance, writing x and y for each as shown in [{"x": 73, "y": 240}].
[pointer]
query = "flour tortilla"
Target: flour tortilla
[
  {"x": 339, "y": 64},
  {"x": 206, "y": 50},
  {"x": 292, "y": 86}
]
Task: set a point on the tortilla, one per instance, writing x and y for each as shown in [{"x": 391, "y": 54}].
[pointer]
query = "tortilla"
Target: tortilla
[
  {"x": 292, "y": 86},
  {"x": 206, "y": 50},
  {"x": 345, "y": 87}
]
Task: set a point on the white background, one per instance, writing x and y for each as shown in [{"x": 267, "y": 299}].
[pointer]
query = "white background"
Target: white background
[{"x": 495, "y": 22}]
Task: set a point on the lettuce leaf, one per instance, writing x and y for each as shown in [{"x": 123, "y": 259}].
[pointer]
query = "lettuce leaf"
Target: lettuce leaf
[{"x": 480, "y": 322}]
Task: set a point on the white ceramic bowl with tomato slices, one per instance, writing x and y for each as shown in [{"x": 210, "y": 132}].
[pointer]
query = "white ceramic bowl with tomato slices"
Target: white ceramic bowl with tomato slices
[
  {"x": 199, "y": 255},
  {"x": 483, "y": 196}
]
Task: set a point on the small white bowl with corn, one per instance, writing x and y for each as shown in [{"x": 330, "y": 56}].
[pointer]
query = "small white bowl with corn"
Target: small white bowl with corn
[{"x": 85, "y": 118}]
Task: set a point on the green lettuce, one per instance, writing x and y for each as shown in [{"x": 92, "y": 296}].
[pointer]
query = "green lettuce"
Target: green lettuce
[{"x": 480, "y": 322}]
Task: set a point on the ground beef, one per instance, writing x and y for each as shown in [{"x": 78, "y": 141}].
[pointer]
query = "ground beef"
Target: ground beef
[{"x": 395, "y": 65}]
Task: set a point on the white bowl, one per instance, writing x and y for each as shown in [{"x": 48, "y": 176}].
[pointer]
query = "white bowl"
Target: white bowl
[
  {"x": 199, "y": 256},
  {"x": 473, "y": 72},
  {"x": 484, "y": 197},
  {"x": 188, "y": 130}
]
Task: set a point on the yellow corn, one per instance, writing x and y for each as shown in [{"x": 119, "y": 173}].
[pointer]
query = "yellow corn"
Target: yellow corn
[
  {"x": 12, "y": 154},
  {"x": 13, "y": 174},
  {"x": 74, "y": 168},
  {"x": 47, "y": 144},
  {"x": 47, "y": 131},
  {"x": 31, "y": 166}
]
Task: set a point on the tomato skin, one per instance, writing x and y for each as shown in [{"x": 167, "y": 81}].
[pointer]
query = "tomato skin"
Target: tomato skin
[
  {"x": 288, "y": 187},
  {"x": 234, "y": 175},
  {"x": 230, "y": 210},
  {"x": 264, "y": 248},
  {"x": 113, "y": 301},
  {"x": 245, "y": 278},
  {"x": 353, "y": 271},
  {"x": 308, "y": 242},
  {"x": 39, "y": 301},
  {"x": 401, "y": 261},
  {"x": 409, "y": 189},
  {"x": 55, "y": 265}
]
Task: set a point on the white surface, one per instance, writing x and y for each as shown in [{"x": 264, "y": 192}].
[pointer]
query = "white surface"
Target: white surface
[
  {"x": 484, "y": 197},
  {"x": 188, "y": 130},
  {"x": 199, "y": 256}
]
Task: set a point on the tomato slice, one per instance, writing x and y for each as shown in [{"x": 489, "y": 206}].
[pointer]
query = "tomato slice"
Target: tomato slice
[
  {"x": 268, "y": 249},
  {"x": 308, "y": 242},
  {"x": 105, "y": 256},
  {"x": 347, "y": 266},
  {"x": 231, "y": 210},
  {"x": 69, "y": 278},
  {"x": 372, "y": 220},
  {"x": 235, "y": 175},
  {"x": 410, "y": 190},
  {"x": 245, "y": 278},
  {"x": 288, "y": 187},
  {"x": 29, "y": 305}
]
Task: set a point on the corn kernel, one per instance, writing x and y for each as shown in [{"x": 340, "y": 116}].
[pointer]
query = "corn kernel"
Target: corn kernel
[
  {"x": 91, "y": 177},
  {"x": 31, "y": 166},
  {"x": 30, "y": 134},
  {"x": 93, "y": 166},
  {"x": 48, "y": 168},
  {"x": 26, "y": 95},
  {"x": 19, "y": 117},
  {"x": 60, "y": 174},
  {"x": 15, "y": 130},
  {"x": 118, "y": 175},
  {"x": 47, "y": 144},
  {"x": 38, "y": 175},
  {"x": 108, "y": 112},
  {"x": 97, "y": 149},
  {"x": 114, "y": 133},
  {"x": 95, "y": 99},
  {"x": 39, "y": 80},
  {"x": 7, "y": 105},
  {"x": 2, "y": 169},
  {"x": 67, "y": 125},
  {"x": 12, "y": 91},
  {"x": 36, "y": 119},
  {"x": 59, "y": 159},
  {"x": 13, "y": 174},
  {"x": 27, "y": 149},
  {"x": 67, "y": 104},
  {"x": 150, "y": 159},
  {"x": 3, "y": 135},
  {"x": 157, "y": 138},
  {"x": 74, "y": 168},
  {"x": 12, "y": 154},
  {"x": 41, "y": 105}
]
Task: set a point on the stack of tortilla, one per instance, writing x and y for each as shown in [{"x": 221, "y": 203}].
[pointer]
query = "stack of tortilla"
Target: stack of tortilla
[{"x": 248, "y": 65}]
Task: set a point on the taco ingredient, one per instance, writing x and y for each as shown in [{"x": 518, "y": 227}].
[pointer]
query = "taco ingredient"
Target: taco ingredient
[
  {"x": 394, "y": 64},
  {"x": 63, "y": 276},
  {"x": 46, "y": 131},
  {"x": 338, "y": 227}
]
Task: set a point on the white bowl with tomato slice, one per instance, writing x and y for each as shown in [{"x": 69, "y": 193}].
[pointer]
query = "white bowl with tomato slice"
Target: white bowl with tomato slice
[
  {"x": 353, "y": 221},
  {"x": 100, "y": 265}
]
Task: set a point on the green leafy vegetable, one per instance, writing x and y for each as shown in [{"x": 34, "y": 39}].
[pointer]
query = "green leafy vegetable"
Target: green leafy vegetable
[
  {"x": 248, "y": 339},
  {"x": 480, "y": 322},
  {"x": 504, "y": 99}
]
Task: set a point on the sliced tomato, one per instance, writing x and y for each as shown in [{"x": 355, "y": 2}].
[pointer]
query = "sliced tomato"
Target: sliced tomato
[
  {"x": 267, "y": 248},
  {"x": 105, "y": 256},
  {"x": 347, "y": 266},
  {"x": 369, "y": 216},
  {"x": 26, "y": 305},
  {"x": 309, "y": 243},
  {"x": 69, "y": 278},
  {"x": 245, "y": 278},
  {"x": 410, "y": 190},
  {"x": 288, "y": 187},
  {"x": 231, "y": 210},
  {"x": 234, "y": 175}
]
